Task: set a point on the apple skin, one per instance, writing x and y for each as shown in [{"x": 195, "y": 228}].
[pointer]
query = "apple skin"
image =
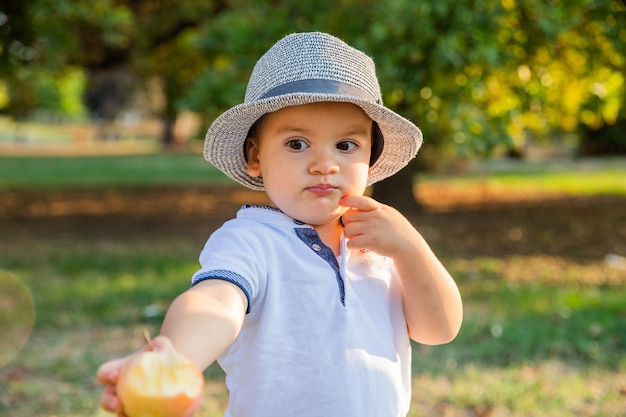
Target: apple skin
[{"x": 160, "y": 383}]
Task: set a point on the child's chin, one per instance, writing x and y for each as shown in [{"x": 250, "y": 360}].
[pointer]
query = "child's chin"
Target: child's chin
[
  {"x": 321, "y": 218},
  {"x": 315, "y": 213}
]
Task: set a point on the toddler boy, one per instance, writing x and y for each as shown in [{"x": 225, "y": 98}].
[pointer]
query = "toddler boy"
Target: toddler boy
[{"x": 309, "y": 304}]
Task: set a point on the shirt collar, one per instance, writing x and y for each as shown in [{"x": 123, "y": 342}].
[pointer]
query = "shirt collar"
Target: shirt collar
[{"x": 270, "y": 215}]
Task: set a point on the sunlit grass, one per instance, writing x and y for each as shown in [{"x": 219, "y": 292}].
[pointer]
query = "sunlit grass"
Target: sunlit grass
[
  {"x": 106, "y": 171},
  {"x": 610, "y": 181},
  {"x": 574, "y": 177},
  {"x": 550, "y": 388},
  {"x": 11, "y": 131},
  {"x": 570, "y": 176}
]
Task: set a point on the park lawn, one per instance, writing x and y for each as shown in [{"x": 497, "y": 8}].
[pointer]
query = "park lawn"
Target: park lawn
[
  {"x": 551, "y": 347},
  {"x": 58, "y": 172},
  {"x": 610, "y": 181},
  {"x": 584, "y": 177},
  {"x": 544, "y": 331}
]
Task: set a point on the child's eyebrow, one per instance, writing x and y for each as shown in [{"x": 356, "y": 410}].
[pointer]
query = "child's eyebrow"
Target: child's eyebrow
[
  {"x": 356, "y": 131},
  {"x": 352, "y": 131},
  {"x": 290, "y": 129}
]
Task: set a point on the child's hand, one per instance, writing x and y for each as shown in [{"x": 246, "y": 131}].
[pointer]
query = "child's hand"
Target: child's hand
[
  {"x": 109, "y": 372},
  {"x": 377, "y": 227}
]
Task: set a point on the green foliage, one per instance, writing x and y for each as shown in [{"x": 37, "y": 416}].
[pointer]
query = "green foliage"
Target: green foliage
[
  {"x": 42, "y": 61},
  {"x": 71, "y": 86},
  {"x": 478, "y": 77},
  {"x": 61, "y": 93}
]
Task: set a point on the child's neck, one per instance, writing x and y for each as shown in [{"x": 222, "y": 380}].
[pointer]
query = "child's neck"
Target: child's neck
[{"x": 330, "y": 234}]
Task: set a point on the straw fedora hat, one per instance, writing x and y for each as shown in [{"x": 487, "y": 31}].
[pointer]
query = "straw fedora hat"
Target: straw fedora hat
[{"x": 305, "y": 68}]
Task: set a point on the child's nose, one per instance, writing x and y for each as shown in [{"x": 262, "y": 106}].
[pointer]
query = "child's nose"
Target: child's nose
[{"x": 323, "y": 163}]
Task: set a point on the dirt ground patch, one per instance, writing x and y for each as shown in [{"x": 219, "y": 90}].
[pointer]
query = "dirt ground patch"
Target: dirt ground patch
[{"x": 458, "y": 222}]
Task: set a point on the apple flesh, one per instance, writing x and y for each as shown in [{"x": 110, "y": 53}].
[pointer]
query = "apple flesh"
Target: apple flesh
[{"x": 160, "y": 384}]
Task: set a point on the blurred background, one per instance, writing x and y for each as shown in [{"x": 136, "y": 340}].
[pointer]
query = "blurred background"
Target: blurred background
[
  {"x": 480, "y": 78},
  {"x": 520, "y": 186}
]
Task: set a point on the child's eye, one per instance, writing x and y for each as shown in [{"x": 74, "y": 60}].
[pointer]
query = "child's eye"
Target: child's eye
[
  {"x": 346, "y": 145},
  {"x": 297, "y": 144}
]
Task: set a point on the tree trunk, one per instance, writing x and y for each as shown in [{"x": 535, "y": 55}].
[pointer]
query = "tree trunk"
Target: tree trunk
[
  {"x": 170, "y": 113},
  {"x": 608, "y": 140},
  {"x": 397, "y": 191},
  {"x": 167, "y": 134}
]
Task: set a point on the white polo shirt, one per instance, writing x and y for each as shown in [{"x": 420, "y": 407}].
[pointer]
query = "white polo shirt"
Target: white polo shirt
[{"x": 323, "y": 336}]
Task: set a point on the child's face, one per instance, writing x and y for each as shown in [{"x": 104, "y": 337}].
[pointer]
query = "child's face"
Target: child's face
[{"x": 311, "y": 155}]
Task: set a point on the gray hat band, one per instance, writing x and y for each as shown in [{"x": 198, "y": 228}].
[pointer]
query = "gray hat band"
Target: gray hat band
[{"x": 320, "y": 86}]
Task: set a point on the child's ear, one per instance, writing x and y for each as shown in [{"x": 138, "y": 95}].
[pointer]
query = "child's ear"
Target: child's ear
[{"x": 252, "y": 150}]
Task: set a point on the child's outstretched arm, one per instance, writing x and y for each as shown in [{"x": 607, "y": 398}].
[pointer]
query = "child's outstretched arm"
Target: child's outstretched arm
[
  {"x": 199, "y": 324},
  {"x": 432, "y": 303},
  {"x": 204, "y": 320}
]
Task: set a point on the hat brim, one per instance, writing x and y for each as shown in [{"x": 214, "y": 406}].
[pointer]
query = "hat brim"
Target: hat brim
[{"x": 224, "y": 142}]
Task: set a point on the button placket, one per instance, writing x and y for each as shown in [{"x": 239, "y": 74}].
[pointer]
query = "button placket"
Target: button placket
[{"x": 310, "y": 237}]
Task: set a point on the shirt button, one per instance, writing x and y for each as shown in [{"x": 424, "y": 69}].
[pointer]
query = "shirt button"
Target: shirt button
[{"x": 316, "y": 247}]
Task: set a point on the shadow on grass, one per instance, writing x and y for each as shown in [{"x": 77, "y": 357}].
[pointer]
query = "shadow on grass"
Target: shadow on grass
[{"x": 577, "y": 228}]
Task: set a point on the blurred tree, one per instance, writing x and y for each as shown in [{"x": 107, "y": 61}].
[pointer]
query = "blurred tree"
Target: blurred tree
[
  {"x": 478, "y": 77},
  {"x": 433, "y": 56},
  {"x": 570, "y": 73},
  {"x": 111, "y": 40},
  {"x": 42, "y": 48},
  {"x": 16, "y": 53},
  {"x": 164, "y": 49}
]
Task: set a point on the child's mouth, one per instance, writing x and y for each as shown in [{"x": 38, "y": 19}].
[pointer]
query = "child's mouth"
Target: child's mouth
[{"x": 322, "y": 189}]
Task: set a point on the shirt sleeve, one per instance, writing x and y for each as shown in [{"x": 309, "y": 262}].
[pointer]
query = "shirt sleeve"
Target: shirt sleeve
[{"x": 234, "y": 254}]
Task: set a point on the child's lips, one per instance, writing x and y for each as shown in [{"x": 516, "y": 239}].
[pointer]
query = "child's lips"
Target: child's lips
[{"x": 322, "y": 189}]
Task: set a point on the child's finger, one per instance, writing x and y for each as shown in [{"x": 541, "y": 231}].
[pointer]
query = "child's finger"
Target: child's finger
[
  {"x": 359, "y": 202},
  {"x": 109, "y": 372},
  {"x": 161, "y": 343},
  {"x": 109, "y": 401}
]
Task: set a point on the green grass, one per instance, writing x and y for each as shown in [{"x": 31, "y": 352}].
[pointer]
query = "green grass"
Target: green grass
[
  {"x": 106, "y": 171},
  {"x": 608, "y": 182},
  {"x": 525, "y": 348},
  {"x": 577, "y": 177},
  {"x": 582, "y": 177}
]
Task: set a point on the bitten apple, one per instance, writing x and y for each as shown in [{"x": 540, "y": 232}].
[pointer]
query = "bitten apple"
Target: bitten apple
[{"x": 160, "y": 384}]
